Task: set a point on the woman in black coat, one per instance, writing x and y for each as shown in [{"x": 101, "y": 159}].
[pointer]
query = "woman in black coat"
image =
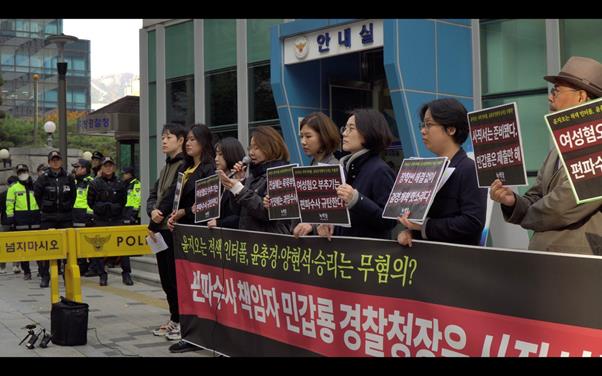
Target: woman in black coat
[
  {"x": 228, "y": 151},
  {"x": 199, "y": 164},
  {"x": 369, "y": 179},
  {"x": 266, "y": 149},
  {"x": 457, "y": 214}
]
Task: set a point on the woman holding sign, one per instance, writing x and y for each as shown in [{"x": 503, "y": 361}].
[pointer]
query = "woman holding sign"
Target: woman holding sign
[
  {"x": 369, "y": 178},
  {"x": 227, "y": 152},
  {"x": 199, "y": 163},
  {"x": 266, "y": 149},
  {"x": 457, "y": 214}
]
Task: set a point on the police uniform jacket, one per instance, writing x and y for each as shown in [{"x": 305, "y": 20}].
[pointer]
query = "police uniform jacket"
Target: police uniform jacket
[
  {"x": 107, "y": 197},
  {"x": 55, "y": 194},
  {"x": 82, "y": 213},
  {"x": 22, "y": 210}
]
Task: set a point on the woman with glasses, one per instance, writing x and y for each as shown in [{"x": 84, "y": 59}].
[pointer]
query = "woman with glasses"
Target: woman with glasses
[
  {"x": 369, "y": 179},
  {"x": 457, "y": 214}
]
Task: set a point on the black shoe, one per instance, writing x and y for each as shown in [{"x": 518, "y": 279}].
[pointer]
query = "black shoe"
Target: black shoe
[
  {"x": 127, "y": 279},
  {"x": 182, "y": 346},
  {"x": 27, "y": 276},
  {"x": 103, "y": 280},
  {"x": 45, "y": 281}
]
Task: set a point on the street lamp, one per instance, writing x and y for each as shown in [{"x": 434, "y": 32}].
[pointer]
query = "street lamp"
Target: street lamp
[
  {"x": 5, "y": 156},
  {"x": 60, "y": 41},
  {"x": 36, "y": 78},
  {"x": 49, "y": 128},
  {"x": 87, "y": 155}
]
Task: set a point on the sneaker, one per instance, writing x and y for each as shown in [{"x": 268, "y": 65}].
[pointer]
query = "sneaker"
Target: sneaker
[
  {"x": 45, "y": 281},
  {"x": 127, "y": 279},
  {"x": 16, "y": 268},
  {"x": 103, "y": 280},
  {"x": 164, "y": 329},
  {"x": 27, "y": 276},
  {"x": 181, "y": 346},
  {"x": 174, "y": 334}
]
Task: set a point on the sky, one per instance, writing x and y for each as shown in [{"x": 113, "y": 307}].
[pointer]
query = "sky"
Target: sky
[{"x": 113, "y": 43}]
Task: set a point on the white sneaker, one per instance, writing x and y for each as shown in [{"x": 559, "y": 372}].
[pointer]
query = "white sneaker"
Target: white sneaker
[
  {"x": 174, "y": 334},
  {"x": 164, "y": 329},
  {"x": 16, "y": 268}
]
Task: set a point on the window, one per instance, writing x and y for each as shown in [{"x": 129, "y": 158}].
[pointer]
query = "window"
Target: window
[
  {"x": 258, "y": 39},
  {"x": 220, "y": 94},
  {"x": 513, "y": 63},
  {"x": 580, "y": 38},
  {"x": 220, "y": 44},
  {"x": 180, "y": 100},
  {"x": 261, "y": 100}
]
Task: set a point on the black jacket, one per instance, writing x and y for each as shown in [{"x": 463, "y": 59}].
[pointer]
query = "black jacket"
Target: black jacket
[
  {"x": 229, "y": 217},
  {"x": 161, "y": 196},
  {"x": 253, "y": 216},
  {"x": 457, "y": 214},
  {"x": 373, "y": 179},
  {"x": 187, "y": 197},
  {"x": 55, "y": 194},
  {"x": 107, "y": 197}
]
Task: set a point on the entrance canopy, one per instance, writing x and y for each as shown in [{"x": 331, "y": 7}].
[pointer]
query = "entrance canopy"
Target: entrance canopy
[{"x": 120, "y": 119}]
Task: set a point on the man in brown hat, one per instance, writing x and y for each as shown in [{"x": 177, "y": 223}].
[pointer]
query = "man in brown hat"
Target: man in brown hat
[{"x": 549, "y": 207}]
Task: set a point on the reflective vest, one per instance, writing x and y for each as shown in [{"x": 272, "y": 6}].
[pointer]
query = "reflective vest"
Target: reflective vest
[
  {"x": 134, "y": 192},
  {"x": 21, "y": 207},
  {"x": 81, "y": 198}
]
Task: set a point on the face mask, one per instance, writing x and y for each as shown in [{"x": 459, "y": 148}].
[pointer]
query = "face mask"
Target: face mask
[{"x": 23, "y": 176}]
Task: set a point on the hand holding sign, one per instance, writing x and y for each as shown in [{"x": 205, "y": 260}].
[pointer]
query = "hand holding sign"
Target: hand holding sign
[{"x": 501, "y": 194}]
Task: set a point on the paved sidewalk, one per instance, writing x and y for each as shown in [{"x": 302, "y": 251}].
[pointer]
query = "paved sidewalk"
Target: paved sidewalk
[{"x": 120, "y": 320}]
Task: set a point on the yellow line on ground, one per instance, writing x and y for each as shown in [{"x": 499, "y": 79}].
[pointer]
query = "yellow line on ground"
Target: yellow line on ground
[{"x": 124, "y": 293}]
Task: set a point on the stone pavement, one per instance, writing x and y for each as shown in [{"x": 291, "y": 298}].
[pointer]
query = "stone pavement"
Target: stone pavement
[{"x": 120, "y": 319}]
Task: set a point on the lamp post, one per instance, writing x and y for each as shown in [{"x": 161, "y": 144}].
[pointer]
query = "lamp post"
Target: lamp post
[
  {"x": 35, "y": 77},
  {"x": 60, "y": 41},
  {"x": 5, "y": 156},
  {"x": 87, "y": 155},
  {"x": 49, "y": 128}
]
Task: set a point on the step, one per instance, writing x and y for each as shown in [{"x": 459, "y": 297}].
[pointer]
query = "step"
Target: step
[{"x": 147, "y": 263}]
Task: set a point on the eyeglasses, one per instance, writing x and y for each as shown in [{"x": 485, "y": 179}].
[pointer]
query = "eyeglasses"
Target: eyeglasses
[
  {"x": 345, "y": 128},
  {"x": 423, "y": 125},
  {"x": 555, "y": 91}
]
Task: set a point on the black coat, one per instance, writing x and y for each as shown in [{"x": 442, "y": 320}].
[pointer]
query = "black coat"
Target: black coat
[
  {"x": 253, "y": 216},
  {"x": 187, "y": 196},
  {"x": 55, "y": 194},
  {"x": 458, "y": 212},
  {"x": 107, "y": 198},
  {"x": 229, "y": 218},
  {"x": 373, "y": 179}
]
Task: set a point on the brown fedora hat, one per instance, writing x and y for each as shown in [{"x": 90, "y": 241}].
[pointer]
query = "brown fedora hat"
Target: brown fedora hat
[{"x": 582, "y": 72}]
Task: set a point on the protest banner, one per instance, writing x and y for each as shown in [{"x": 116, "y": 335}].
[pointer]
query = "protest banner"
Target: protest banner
[
  {"x": 415, "y": 188},
  {"x": 282, "y": 192},
  {"x": 577, "y": 134},
  {"x": 245, "y": 293},
  {"x": 207, "y": 198},
  {"x": 316, "y": 188},
  {"x": 497, "y": 144}
]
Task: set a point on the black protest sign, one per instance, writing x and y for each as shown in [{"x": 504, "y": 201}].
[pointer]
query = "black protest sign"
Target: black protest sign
[
  {"x": 207, "y": 193},
  {"x": 283, "y": 196},
  {"x": 577, "y": 134},
  {"x": 496, "y": 140},
  {"x": 415, "y": 188},
  {"x": 245, "y": 293},
  {"x": 317, "y": 194},
  {"x": 176, "y": 200}
]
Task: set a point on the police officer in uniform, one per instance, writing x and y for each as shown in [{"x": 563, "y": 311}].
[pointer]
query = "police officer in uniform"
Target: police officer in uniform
[
  {"x": 55, "y": 194},
  {"x": 82, "y": 213},
  {"x": 22, "y": 210},
  {"x": 131, "y": 212},
  {"x": 107, "y": 198}
]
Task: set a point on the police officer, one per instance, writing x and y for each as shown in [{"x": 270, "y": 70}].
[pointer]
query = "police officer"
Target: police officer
[
  {"x": 22, "y": 210},
  {"x": 107, "y": 198},
  {"x": 55, "y": 194},
  {"x": 131, "y": 213},
  {"x": 82, "y": 213},
  {"x": 97, "y": 158}
]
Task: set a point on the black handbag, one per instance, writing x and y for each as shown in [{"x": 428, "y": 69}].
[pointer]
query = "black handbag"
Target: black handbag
[{"x": 69, "y": 323}]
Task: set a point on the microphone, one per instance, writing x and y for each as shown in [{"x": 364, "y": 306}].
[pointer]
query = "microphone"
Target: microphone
[{"x": 245, "y": 163}]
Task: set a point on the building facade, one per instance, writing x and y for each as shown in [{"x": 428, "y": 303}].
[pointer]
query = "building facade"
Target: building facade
[
  {"x": 237, "y": 74},
  {"x": 28, "y": 66}
]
